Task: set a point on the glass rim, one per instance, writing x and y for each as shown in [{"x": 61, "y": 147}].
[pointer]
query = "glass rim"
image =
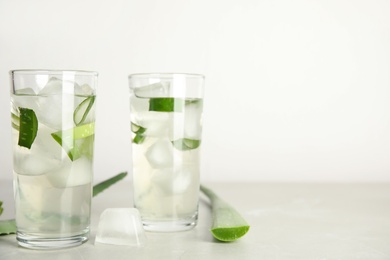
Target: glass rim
[
  {"x": 165, "y": 74},
  {"x": 50, "y": 71}
]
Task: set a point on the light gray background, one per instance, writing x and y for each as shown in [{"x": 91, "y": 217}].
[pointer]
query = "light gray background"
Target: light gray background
[{"x": 295, "y": 90}]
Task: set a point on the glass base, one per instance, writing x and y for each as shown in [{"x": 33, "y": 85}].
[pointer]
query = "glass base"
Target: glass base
[
  {"x": 35, "y": 242},
  {"x": 170, "y": 226}
]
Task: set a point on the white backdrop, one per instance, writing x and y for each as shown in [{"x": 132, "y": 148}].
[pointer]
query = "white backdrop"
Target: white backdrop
[{"x": 295, "y": 90}]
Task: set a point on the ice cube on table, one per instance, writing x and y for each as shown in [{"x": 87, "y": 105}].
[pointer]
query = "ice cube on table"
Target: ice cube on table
[
  {"x": 78, "y": 172},
  {"x": 159, "y": 89},
  {"x": 160, "y": 154},
  {"x": 120, "y": 226}
]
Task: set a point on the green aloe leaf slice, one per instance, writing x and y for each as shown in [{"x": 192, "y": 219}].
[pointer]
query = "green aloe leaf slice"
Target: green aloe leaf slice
[
  {"x": 81, "y": 112},
  {"x": 137, "y": 129},
  {"x": 138, "y": 139},
  {"x": 28, "y": 127},
  {"x": 67, "y": 138},
  {"x": 185, "y": 144},
  {"x": 228, "y": 225},
  {"x": 166, "y": 104}
]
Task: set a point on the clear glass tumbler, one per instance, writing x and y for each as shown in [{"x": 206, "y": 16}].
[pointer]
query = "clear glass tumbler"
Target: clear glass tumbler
[
  {"x": 166, "y": 125},
  {"x": 53, "y": 122}
]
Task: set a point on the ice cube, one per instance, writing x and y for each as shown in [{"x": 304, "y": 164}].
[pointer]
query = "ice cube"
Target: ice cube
[
  {"x": 57, "y": 103},
  {"x": 160, "y": 154},
  {"x": 25, "y": 101},
  {"x": 46, "y": 145},
  {"x": 57, "y": 86},
  {"x": 170, "y": 181},
  {"x": 193, "y": 120},
  {"x": 120, "y": 226},
  {"x": 71, "y": 174},
  {"x": 56, "y": 111},
  {"x": 83, "y": 90},
  {"x": 32, "y": 164},
  {"x": 138, "y": 104},
  {"x": 156, "y": 123},
  {"x": 44, "y": 156},
  {"x": 160, "y": 89}
]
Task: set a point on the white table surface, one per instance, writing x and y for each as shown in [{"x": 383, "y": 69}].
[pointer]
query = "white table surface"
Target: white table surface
[{"x": 288, "y": 221}]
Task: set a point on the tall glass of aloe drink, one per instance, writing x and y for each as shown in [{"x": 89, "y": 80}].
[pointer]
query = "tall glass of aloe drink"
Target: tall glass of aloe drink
[
  {"x": 53, "y": 122},
  {"x": 166, "y": 125}
]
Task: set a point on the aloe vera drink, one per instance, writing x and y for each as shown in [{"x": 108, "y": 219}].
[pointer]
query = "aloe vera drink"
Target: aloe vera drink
[
  {"x": 166, "y": 125},
  {"x": 53, "y": 115}
]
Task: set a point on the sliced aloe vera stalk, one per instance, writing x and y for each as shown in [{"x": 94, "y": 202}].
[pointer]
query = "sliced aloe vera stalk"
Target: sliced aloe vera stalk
[
  {"x": 228, "y": 225},
  {"x": 185, "y": 144},
  {"x": 67, "y": 138},
  {"x": 138, "y": 139},
  {"x": 137, "y": 129},
  {"x": 28, "y": 127},
  {"x": 81, "y": 112},
  {"x": 166, "y": 104}
]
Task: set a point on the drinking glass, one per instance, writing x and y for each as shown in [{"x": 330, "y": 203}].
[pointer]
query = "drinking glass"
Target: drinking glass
[
  {"x": 53, "y": 119},
  {"x": 166, "y": 125}
]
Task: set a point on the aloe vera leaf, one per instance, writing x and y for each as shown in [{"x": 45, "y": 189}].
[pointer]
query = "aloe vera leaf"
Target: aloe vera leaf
[
  {"x": 228, "y": 225},
  {"x": 8, "y": 227},
  {"x": 107, "y": 183}
]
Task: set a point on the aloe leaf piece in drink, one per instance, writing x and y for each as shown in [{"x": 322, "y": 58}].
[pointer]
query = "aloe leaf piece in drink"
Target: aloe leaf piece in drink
[
  {"x": 137, "y": 129},
  {"x": 185, "y": 144},
  {"x": 67, "y": 138},
  {"x": 138, "y": 139},
  {"x": 228, "y": 225},
  {"x": 82, "y": 110},
  {"x": 166, "y": 104},
  {"x": 28, "y": 127},
  {"x": 139, "y": 133}
]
